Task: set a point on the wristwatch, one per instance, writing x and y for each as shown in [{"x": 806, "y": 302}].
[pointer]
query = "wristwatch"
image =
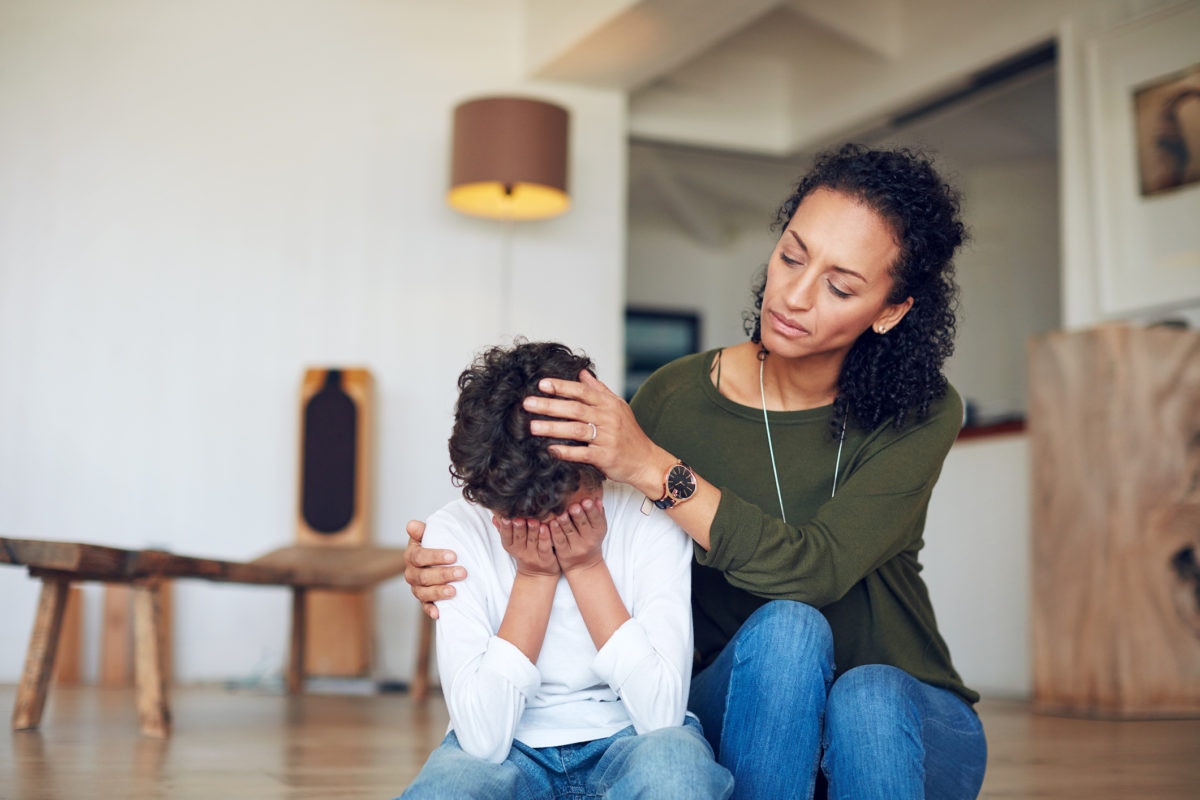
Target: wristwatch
[{"x": 679, "y": 484}]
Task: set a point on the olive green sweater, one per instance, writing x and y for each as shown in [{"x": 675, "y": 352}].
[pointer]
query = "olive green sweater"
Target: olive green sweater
[{"x": 854, "y": 557}]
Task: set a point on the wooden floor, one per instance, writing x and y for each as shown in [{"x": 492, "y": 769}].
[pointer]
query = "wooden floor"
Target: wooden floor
[{"x": 254, "y": 744}]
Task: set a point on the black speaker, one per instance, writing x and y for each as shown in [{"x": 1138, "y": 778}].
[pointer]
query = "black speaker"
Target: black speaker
[{"x": 333, "y": 510}]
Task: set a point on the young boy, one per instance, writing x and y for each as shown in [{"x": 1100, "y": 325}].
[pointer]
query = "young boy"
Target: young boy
[{"x": 566, "y": 653}]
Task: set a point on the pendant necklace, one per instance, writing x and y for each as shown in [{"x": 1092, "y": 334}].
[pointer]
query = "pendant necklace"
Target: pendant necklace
[{"x": 762, "y": 394}]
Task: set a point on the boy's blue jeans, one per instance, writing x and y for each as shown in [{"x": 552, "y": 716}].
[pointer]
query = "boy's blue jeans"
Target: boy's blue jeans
[
  {"x": 670, "y": 763},
  {"x": 773, "y": 713}
]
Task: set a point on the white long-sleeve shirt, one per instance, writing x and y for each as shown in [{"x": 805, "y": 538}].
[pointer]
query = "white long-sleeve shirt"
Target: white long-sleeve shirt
[{"x": 573, "y": 693}]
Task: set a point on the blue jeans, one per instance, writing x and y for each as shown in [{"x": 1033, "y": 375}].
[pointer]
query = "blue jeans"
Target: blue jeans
[
  {"x": 772, "y": 713},
  {"x": 669, "y": 763}
]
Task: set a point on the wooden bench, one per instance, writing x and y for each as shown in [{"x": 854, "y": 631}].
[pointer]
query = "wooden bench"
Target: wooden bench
[{"x": 59, "y": 564}]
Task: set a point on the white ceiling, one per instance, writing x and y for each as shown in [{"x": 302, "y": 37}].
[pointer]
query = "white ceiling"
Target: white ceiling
[
  {"x": 775, "y": 76},
  {"x": 724, "y": 93}
]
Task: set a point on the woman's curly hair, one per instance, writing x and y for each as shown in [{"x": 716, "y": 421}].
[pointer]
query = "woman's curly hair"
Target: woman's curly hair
[
  {"x": 494, "y": 458},
  {"x": 897, "y": 375}
]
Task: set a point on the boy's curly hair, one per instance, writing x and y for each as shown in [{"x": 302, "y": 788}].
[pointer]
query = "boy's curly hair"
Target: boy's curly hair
[
  {"x": 494, "y": 458},
  {"x": 897, "y": 375}
]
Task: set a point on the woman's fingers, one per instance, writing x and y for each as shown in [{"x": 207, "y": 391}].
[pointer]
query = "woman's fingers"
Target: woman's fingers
[
  {"x": 433, "y": 583},
  {"x": 421, "y": 557},
  {"x": 437, "y": 588},
  {"x": 587, "y": 389},
  {"x": 586, "y": 432},
  {"x": 557, "y": 408},
  {"x": 571, "y": 400},
  {"x": 594, "y": 386},
  {"x": 429, "y": 571},
  {"x": 442, "y": 576}
]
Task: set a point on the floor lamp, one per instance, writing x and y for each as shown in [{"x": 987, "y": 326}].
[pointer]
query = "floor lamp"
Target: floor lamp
[{"x": 509, "y": 163}]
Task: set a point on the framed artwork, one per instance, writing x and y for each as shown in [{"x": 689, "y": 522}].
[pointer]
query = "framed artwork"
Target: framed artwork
[
  {"x": 1144, "y": 80},
  {"x": 654, "y": 337},
  {"x": 1167, "y": 116}
]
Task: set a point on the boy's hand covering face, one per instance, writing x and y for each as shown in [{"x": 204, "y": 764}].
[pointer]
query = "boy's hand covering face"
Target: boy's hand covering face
[
  {"x": 572, "y": 540},
  {"x": 528, "y": 541},
  {"x": 578, "y": 533}
]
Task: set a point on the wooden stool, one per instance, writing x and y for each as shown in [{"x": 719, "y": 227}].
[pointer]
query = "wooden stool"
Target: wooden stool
[{"x": 59, "y": 564}]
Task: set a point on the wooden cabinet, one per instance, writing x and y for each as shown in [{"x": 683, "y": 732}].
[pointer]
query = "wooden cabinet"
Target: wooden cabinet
[{"x": 1114, "y": 425}]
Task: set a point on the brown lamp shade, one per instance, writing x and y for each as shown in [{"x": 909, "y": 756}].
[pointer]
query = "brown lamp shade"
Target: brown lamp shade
[{"x": 509, "y": 159}]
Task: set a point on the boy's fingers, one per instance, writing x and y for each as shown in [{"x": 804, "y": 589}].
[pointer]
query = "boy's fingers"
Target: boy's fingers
[
  {"x": 594, "y": 512},
  {"x": 566, "y": 522},
  {"x": 558, "y": 534},
  {"x": 504, "y": 528},
  {"x": 544, "y": 542},
  {"x": 520, "y": 533}
]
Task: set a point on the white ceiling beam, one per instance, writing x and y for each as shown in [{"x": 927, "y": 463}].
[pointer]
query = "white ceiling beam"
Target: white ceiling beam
[
  {"x": 875, "y": 25},
  {"x": 629, "y": 44},
  {"x": 785, "y": 84},
  {"x": 553, "y": 27}
]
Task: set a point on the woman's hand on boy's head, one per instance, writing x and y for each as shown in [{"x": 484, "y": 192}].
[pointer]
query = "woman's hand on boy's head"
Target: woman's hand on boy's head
[
  {"x": 588, "y": 411},
  {"x": 528, "y": 541},
  {"x": 578, "y": 533}
]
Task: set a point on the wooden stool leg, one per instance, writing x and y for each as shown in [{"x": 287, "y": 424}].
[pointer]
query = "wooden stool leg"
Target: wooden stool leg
[
  {"x": 116, "y": 637},
  {"x": 68, "y": 659},
  {"x": 295, "y": 669},
  {"x": 154, "y": 712},
  {"x": 39, "y": 658},
  {"x": 420, "y": 681}
]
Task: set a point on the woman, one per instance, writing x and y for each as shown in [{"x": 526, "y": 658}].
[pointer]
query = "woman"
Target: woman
[{"x": 801, "y": 463}]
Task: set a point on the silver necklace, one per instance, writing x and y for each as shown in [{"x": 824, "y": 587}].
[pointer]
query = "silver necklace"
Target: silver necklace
[{"x": 762, "y": 394}]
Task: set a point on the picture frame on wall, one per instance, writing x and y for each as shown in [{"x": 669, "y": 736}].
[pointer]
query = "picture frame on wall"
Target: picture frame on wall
[
  {"x": 1167, "y": 115},
  {"x": 654, "y": 337},
  {"x": 1145, "y": 160}
]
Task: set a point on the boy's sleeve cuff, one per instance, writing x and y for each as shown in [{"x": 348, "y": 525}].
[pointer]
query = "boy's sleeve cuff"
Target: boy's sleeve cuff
[{"x": 505, "y": 659}]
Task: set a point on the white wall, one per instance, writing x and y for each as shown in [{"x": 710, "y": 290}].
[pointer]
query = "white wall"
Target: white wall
[
  {"x": 976, "y": 560},
  {"x": 677, "y": 273},
  {"x": 1009, "y": 276},
  {"x": 197, "y": 201}
]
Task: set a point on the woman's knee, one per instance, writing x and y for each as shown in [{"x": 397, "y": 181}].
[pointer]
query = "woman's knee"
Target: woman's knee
[
  {"x": 881, "y": 694},
  {"x": 875, "y": 684},
  {"x": 884, "y": 728},
  {"x": 788, "y": 631}
]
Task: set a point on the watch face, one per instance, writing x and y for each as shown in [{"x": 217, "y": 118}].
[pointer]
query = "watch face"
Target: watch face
[{"x": 681, "y": 484}]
